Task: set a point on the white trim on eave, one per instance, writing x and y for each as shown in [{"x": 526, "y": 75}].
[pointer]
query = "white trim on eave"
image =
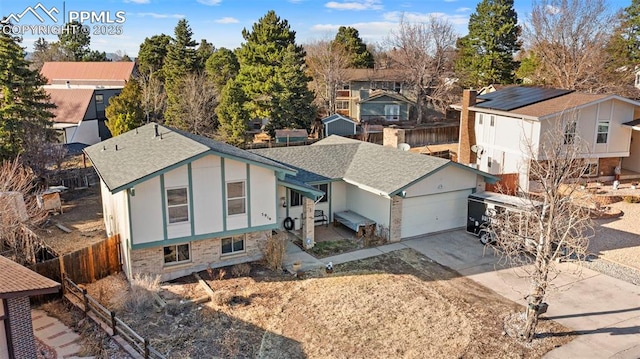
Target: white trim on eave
[
  {"x": 592, "y": 103},
  {"x": 503, "y": 113}
]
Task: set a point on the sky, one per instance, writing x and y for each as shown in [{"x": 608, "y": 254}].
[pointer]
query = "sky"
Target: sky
[{"x": 122, "y": 25}]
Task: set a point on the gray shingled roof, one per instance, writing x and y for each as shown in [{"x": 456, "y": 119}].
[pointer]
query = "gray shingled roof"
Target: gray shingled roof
[
  {"x": 140, "y": 154},
  {"x": 379, "y": 168}
]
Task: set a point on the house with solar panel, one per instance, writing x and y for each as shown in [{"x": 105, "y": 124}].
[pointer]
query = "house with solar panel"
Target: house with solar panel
[
  {"x": 495, "y": 127},
  {"x": 81, "y": 92}
]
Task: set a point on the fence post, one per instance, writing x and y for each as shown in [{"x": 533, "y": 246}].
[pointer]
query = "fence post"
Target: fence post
[
  {"x": 64, "y": 283},
  {"x": 113, "y": 322},
  {"x": 146, "y": 348},
  {"x": 86, "y": 301}
]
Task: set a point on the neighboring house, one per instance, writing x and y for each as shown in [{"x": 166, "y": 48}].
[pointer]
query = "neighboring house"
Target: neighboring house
[
  {"x": 104, "y": 73},
  {"x": 337, "y": 124},
  {"x": 80, "y": 113},
  {"x": 406, "y": 194},
  {"x": 181, "y": 203},
  {"x": 496, "y": 126},
  {"x": 291, "y": 135},
  {"x": 384, "y": 105},
  {"x": 360, "y": 85},
  {"x": 17, "y": 284}
]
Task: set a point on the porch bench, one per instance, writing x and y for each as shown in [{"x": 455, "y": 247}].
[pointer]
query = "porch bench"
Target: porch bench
[
  {"x": 358, "y": 223},
  {"x": 320, "y": 217}
]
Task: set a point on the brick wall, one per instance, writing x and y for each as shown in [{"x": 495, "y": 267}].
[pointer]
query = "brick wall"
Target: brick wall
[
  {"x": 204, "y": 253},
  {"x": 467, "y": 128},
  {"x": 21, "y": 328},
  {"x": 606, "y": 166},
  {"x": 395, "y": 226}
]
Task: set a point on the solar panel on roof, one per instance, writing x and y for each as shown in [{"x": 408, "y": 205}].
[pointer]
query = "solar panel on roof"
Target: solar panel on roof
[{"x": 511, "y": 98}]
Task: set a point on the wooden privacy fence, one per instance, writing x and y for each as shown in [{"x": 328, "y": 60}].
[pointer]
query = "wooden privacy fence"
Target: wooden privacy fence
[
  {"x": 107, "y": 319},
  {"x": 86, "y": 265},
  {"x": 508, "y": 184},
  {"x": 431, "y": 135}
]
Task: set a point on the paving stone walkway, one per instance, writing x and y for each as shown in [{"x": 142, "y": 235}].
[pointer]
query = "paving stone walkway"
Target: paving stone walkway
[{"x": 55, "y": 334}]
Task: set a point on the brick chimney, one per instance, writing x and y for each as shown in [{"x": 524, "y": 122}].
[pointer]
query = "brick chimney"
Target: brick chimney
[{"x": 467, "y": 130}]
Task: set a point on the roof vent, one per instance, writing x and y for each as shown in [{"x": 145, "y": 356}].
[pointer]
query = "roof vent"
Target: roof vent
[
  {"x": 116, "y": 147},
  {"x": 155, "y": 129},
  {"x": 68, "y": 84}
]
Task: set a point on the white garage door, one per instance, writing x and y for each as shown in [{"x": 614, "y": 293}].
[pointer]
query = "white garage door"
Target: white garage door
[{"x": 433, "y": 213}]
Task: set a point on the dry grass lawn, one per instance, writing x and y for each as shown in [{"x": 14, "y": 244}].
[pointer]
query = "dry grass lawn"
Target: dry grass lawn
[{"x": 399, "y": 305}]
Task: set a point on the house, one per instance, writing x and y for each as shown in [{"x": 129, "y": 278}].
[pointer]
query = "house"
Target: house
[
  {"x": 405, "y": 194},
  {"x": 291, "y": 135},
  {"x": 360, "y": 86},
  {"x": 384, "y": 105},
  {"x": 103, "y": 73},
  {"x": 337, "y": 124},
  {"x": 17, "y": 284},
  {"x": 494, "y": 127},
  {"x": 181, "y": 203},
  {"x": 80, "y": 112}
]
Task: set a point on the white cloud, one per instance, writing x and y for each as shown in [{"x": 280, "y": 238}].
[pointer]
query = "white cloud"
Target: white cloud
[
  {"x": 138, "y": 1},
  {"x": 209, "y": 2},
  {"x": 463, "y": 9},
  {"x": 226, "y": 20},
  {"x": 354, "y": 5},
  {"x": 553, "y": 10},
  {"x": 424, "y": 17},
  {"x": 370, "y": 32},
  {"x": 161, "y": 16}
]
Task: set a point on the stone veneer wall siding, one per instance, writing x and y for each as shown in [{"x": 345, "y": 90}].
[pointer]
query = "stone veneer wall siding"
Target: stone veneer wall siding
[
  {"x": 19, "y": 315},
  {"x": 392, "y": 137},
  {"x": 395, "y": 223},
  {"x": 204, "y": 253}
]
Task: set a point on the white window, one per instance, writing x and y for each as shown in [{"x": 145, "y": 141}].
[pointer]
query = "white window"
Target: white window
[
  {"x": 480, "y": 119},
  {"x": 603, "y": 132},
  {"x": 324, "y": 188},
  {"x": 591, "y": 168},
  {"x": 489, "y": 162},
  {"x": 295, "y": 198},
  {"x": 176, "y": 254},
  {"x": 570, "y": 132},
  {"x": 236, "y": 198},
  {"x": 232, "y": 245},
  {"x": 177, "y": 205},
  {"x": 493, "y": 120},
  {"x": 392, "y": 112},
  {"x": 342, "y": 105},
  {"x": 99, "y": 98}
]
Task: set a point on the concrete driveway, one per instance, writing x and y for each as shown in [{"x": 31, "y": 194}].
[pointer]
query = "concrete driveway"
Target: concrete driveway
[{"x": 603, "y": 311}]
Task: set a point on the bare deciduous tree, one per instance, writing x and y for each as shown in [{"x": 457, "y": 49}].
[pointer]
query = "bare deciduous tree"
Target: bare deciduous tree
[
  {"x": 424, "y": 52},
  {"x": 154, "y": 98},
  {"x": 327, "y": 63},
  {"x": 198, "y": 102},
  {"x": 555, "y": 222},
  {"x": 569, "y": 38},
  {"x": 17, "y": 240}
]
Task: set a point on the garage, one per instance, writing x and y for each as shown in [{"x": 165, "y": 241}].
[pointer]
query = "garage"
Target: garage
[{"x": 434, "y": 212}]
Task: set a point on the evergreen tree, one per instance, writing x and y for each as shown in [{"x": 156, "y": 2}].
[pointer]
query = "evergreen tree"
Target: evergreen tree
[
  {"x": 221, "y": 67},
  {"x": 624, "y": 47},
  {"x": 152, "y": 54},
  {"x": 124, "y": 111},
  {"x": 204, "y": 51},
  {"x": 349, "y": 38},
  {"x": 486, "y": 54},
  {"x": 74, "y": 42},
  {"x": 95, "y": 55},
  {"x": 272, "y": 74},
  {"x": 181, "y": 60},
  {"x": 233, "y": 117},
  {"x": 25, "y": 111}
]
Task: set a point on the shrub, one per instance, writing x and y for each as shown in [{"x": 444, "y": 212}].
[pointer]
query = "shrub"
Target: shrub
[
  {"x": 241, "y": 270},
  {"x": 631, "y": 199},
  {"x": 140, "y": 297},
  {"x": 274, "y": 251}
]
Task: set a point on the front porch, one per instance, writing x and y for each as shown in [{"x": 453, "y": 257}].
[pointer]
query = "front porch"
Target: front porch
[{"x": 626, "y": 174}]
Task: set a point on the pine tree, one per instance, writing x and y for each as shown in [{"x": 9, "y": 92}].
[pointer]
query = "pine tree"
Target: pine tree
[
  {"x": 25, "y": 111},
  {"x": 204, "y": 51},
  {"x": 486, "y": 54},
  {"x": 124, "y": 111},
  {"x": 181, "y": 60},
  {"x": 624, "y": 47},
  {"x": 152, "y": 54},
  {"x": 233, "y": 117},
  {"x": 349, "y": 38},
  {"x": 272, "y": 74},
  {"x": 74, "y": 41},
  {"x": 221, "y": 67}
]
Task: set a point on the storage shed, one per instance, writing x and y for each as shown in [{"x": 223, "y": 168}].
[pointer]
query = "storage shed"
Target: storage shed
[
  {"x": 338, "y": 125},
  {"x": 293, "y": 135}
]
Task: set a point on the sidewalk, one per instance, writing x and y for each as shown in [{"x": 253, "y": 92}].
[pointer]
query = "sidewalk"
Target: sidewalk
[
  {"x": 603, "y": 311},
  {"x": 55, "y": 334}
]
